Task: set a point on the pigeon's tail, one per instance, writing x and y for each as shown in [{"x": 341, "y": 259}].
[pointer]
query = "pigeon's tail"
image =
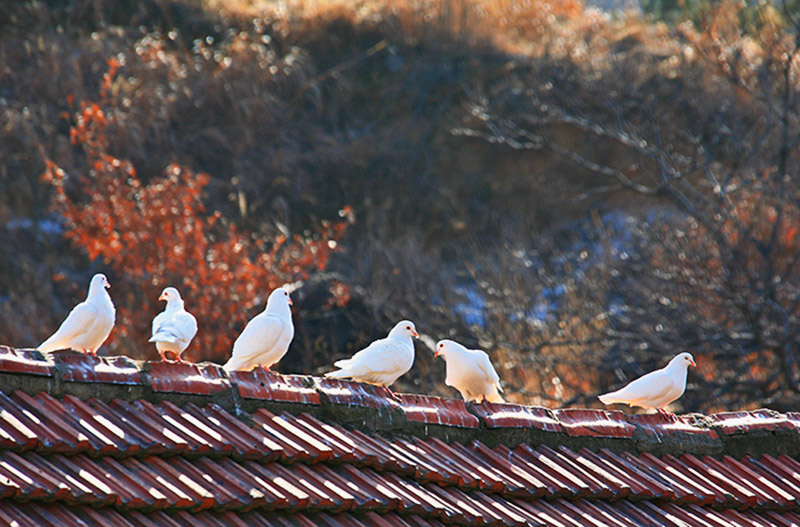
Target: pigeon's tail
[
  {"x": 609, "y": 398},
  {"x": 342, "y": 373},
  {"x": 231, "y": 365},
  {"x": 343, "y": 364},
  {"x": 51, "y": 344},
  {"x": 495, "y": 397},
  {"x": 163, "y": 336}
]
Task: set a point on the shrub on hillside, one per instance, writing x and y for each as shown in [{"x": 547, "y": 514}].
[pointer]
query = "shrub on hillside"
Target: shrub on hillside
[{"x": 159, "y": 234}]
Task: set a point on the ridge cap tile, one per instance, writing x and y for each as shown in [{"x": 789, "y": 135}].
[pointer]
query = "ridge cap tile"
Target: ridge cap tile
[
  {"x": 429, "y": 409},
  {"x": 509, "y": 415},
  {"x": 204, "y": 378},
  {"x": 85, "y": 367},
  {"x": 594, "y": 423},
  {"x": 658, "y": 424},
  {"x": 344, "y": 392},
  {"x": 25, "y": 360},
  {"x": 743, "y": 421},
  {"x": 271, "y": 386}
]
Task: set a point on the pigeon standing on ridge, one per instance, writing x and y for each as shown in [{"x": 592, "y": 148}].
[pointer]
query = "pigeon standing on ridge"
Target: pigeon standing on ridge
[
  {"x": 382, "y": 362},
  {"x": 266, "y": 338},
  {"x": 470, "y": 372},
  {"x": 656, "y": 389},
  {"x": 174, "y": 328},
  {"x": 88, "y": 324}
]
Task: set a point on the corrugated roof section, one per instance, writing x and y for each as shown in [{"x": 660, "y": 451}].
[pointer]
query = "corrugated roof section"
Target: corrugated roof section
[
  {"x": 176, "y": 460},
  {"x": 125, "y": 457}
]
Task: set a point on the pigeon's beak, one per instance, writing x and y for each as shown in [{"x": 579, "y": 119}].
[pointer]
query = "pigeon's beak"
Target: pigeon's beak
[
  {"x": 693, "y": 363},
  {"x": 290, "y": 302},
  {"x": 436, "y": 354},
  {"x": 162, "y": 297},
  {"x": 416, "y": 335}
]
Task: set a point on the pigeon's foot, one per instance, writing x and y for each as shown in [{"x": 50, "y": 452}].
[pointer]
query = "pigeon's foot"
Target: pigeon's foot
[
  {"x": 394, "y": 396},
  {"x": 665, "y": 413},
  {"x": 265, "y": 368}
]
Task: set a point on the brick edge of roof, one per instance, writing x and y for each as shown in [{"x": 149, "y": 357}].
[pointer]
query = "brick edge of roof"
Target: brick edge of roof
[{"x": 372, "y": 409}]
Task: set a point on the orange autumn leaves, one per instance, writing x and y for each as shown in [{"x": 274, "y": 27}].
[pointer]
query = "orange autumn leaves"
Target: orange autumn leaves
[{"x": 159, "y": 234}]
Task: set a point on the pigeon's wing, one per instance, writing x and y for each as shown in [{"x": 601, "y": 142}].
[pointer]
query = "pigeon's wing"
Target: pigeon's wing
[
  {"x": 181, "y": 327},
  {"x": 158, "y": 321},
  {"x": 382, "y": 356},
  {"x": 185, "y": 325},
  {"x": 485, "y": 364},
  {"x": 260, "y": 335},
  {"x": 76, "y": 323},
  {"x": 652, "y": 386}
]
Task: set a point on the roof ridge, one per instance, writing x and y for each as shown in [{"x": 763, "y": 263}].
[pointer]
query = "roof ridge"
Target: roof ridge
[{"x": 372, "y": 409}]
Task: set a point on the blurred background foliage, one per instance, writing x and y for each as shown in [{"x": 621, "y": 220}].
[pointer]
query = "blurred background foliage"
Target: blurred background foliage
[{"x": 581, "y": 193}]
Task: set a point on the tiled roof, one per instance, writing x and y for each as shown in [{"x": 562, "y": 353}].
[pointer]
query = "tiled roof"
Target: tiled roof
[{"x": 106, "y": 441}]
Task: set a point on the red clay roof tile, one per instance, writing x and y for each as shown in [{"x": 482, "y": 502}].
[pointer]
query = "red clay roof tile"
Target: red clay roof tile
[
  {"x": 350, "y": 393},
  {"x": 436, "y": 411},
  {"x": 83, "y": 367},
  {"x": 594, "y": 423},
  {"x": 258, "y": 384},
  {"x": 186, "y": 378},
  {"x": 27, "y": 361},
  {"x": 659, "y": 424},
  {"x": 741, "y": 422},
  {"x": 501, "y": 415}
]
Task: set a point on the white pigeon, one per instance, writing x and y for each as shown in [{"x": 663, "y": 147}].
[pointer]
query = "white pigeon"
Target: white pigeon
[
  {"x": 88, "y": 324},
  {"x": 656, "y": 389},
  {"x": 174, "y": 328},
  {"x": 470, "y": 372},
  {"x": 266, "y": 338},
  {"x": 382, "y": 362}
]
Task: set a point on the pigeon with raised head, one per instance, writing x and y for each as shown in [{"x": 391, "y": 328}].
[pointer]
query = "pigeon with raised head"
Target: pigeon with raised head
[
  {"x": 88, "y": 324},
  {"x": 382, "y": 362},
  {"x": 470, "y": 372},
  {"x": 656, "y": 389},
  {"x": 266, "y": 338},
  {"x": 174, "y": 328}
]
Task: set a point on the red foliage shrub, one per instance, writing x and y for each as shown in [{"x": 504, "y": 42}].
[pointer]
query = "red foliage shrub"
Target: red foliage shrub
[{"x": 159, "y": 234}]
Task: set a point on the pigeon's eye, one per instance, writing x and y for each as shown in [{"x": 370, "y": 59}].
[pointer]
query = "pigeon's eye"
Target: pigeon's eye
[{"x": 408, "y": 328}]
